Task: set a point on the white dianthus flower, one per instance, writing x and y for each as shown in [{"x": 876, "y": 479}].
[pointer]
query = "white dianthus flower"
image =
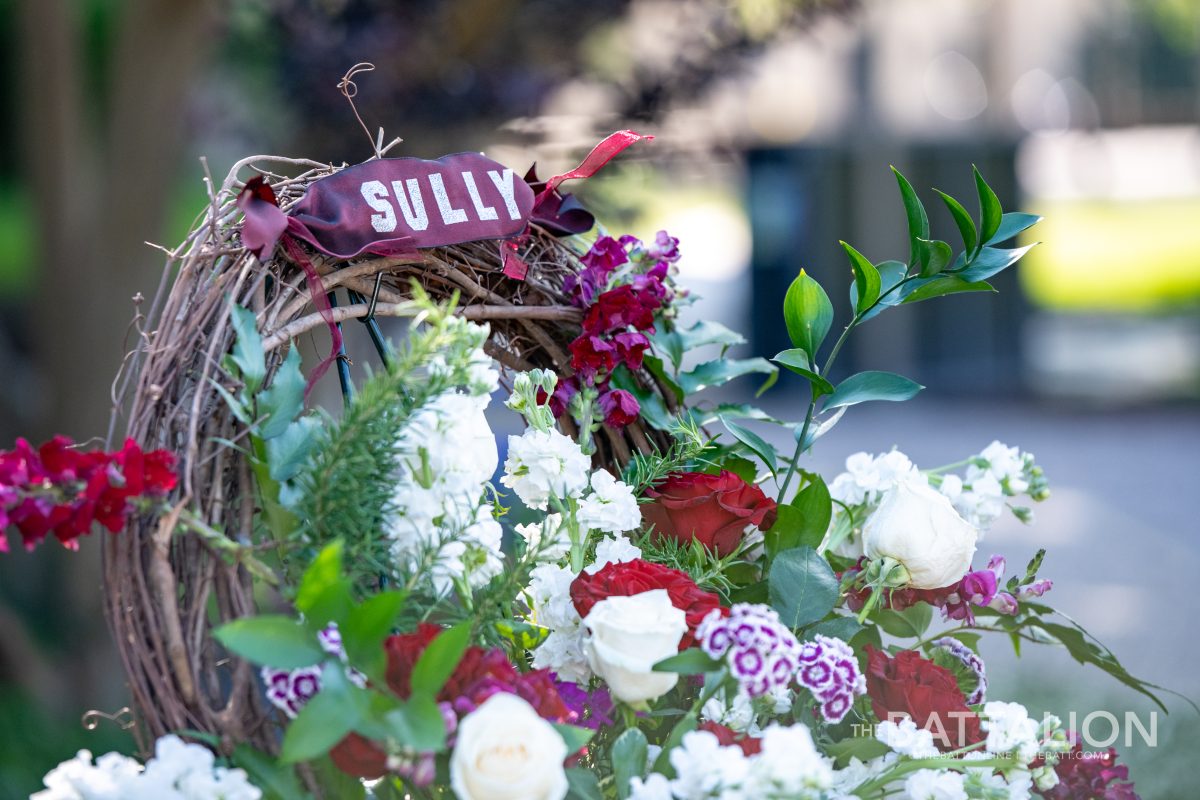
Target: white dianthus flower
[
  {"x": 906, "y": 738},
  {"x": 562, "y": 653},
  {"x": 542, "y": 464},
  {"x": 704, "y": 768},
  {"x": 549, "y": 537},
  {"x": 788, "y": 765},
  {"x": 610, "y": 507},
  {"x": 654, "y": 787},
  {"x": 613, "y": 551},
  {"x": 929, "y": 784}
]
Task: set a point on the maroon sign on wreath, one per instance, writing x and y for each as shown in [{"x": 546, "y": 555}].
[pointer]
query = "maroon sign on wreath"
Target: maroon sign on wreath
[{"x": 401, "y": 204}]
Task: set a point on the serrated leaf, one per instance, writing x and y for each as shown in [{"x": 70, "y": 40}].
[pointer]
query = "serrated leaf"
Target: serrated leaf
[
  {"x": 867, "y": 281},
  {"x": 801, "y": 586},
  {"x": 282, "y": 401},
  {"x": 1011, "y": 224},
  {"x": 930, "y": 288},
  {"x": 934, "y": 256},
  {"x": 918, "y": 220},
  {"x": 756, "y": 443},
  {"x": 797, "y": 361},
  {"x": 271, "y": 640},
  {"x": 962, "y": 218},
  {"x": 247, "y": 351},
  {"x": 629, "y": 753},
  {"x": 708, "y": 332},
  {"x": 807, "y": 313},
  {"x": 288, "y": 452},
  {"x": 990, "y": 212},
  {"x": 439, "y": 659},
  {"x": 873, "y": 385}
]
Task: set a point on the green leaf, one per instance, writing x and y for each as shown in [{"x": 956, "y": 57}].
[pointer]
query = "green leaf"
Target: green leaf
[
  {"x": 1011, "y": 224},
  {"x": 990, "y": 261},
  {"x": 277, "y": 781},
  {"x": 990, "y": 212},
  {"x": 816, "y": 506},
  {"x": 930, "y": 288},
  {"x": 918, "y": 220},
  {"x": 271, "y": 640},
  {"x": 668, "y": 343},
  {"x": 288, "y": 451},
  {"x": 911, "y": 623},
  {"x": 629, "y": 753},
  {"x": 721, "y": 371},
  {"x": 808, "y": 314},
  {"x": 802, "y": 587},
  {"x": 966, "y": 225},
  {"x": 654, "y": 366},
  {"x": 662, "y": 764},
  {"x": 744, "y": 468},
  {"x": 247, "y": 352},
  {"x": 324, "y": 593},
  {"x": 692, "y": 661},
  {"x": 797, "y": 361},
  {"x": 844, "y": 628},
  {"x": 323, "y": 721},
  {"x": 575, "y": 737},
  {"x": 436, "y": 664},
  {"x": 521, "y": 633},
  {"x": 864, "y": 748},
  {"x": 873, "y": 385},
  {"x": 367, "y": 625},
  {"x": 867, "y": 282},
  {"x": 582, "y": 784},
  {"x": 934, "y": 256},
  {"x": 336, "y": 783},
  {"x": 707, "y": 332},
  {"x": 418, "y": 723},
  {"x": 282, "y": 401},
  {"x": 890, "y": 275},
  {"x": 754, "y": 442}
]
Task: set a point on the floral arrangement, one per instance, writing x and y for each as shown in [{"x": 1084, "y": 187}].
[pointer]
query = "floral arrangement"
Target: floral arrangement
[{"x": 715, "y": 621}]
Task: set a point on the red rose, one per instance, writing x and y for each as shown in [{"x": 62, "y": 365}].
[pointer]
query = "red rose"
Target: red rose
[
  {"x": 634, "y": 577},
  {"x": 358, "y": 756},
  {"x": 402, "y": 654},
  {"x": 712, "y": 509},
  {"x": 727, "y": 736},
  {"x": 911, "y": 685}
]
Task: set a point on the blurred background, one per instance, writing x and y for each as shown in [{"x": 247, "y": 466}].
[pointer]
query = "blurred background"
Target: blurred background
[{"x": 776, "y": 122}]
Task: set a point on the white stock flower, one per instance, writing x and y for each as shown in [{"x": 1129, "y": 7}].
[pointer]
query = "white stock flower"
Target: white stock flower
[
  {"x": 627, "y": 636},
  {"x": 654, "y": 787},
  {"x": 449, "y": 437},
  {"x": 504, "y": 751},
  {"x": 917, "y": 526},
  {"x": 562, "y": 653},
  {"x": 1005, "y": 464},
  {"x": 906, "y": 738},
  {"x": 549, "y": 536},
  {"x": 985, "y": 782},
  {"x": 178, "y": 771},
  {"x": 868, "y": 477},
  {"x": 550, "y": 598},
  {"x": 788, "y": 765},
  {"x": 737, "y": 714},
  {"x": 1010, "y": 729},
  {"x": 704, "y": 768},
  {"x": 610, "y": 507},
  {"x": 857, "y": 772},
  {"x": 929, "y": 784},
  {"x": 616, "y": 550},
  {"x": 542, "y": 464}
]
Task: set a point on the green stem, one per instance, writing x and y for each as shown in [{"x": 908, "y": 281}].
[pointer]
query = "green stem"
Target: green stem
[{"x": 945, "y": 761}]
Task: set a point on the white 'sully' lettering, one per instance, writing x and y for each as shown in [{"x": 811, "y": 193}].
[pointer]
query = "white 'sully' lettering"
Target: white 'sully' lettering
[
  {"x": 484, "y": 212},
  {"x": 504, "y": 185},
  {"x": 450, "y": 214},
  {"x": 375, "y": 193},
  {"x": 412, "y": 204}
]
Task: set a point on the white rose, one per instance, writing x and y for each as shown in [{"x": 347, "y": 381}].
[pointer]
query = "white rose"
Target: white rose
[
  {"x": 917, "y": 526},
  {"x": 627, "y": 636},
  {"x": 505, "y": 751}
]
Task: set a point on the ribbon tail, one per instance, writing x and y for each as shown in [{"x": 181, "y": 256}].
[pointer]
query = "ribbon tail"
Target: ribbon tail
[
  {"x": 514, "y": 266},
  {"x": 317, "y": 291},
  {"x": 601, "y": 154}
]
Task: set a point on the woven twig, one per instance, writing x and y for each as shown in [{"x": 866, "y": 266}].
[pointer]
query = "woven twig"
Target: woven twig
[{"x": 165, "y": 591}]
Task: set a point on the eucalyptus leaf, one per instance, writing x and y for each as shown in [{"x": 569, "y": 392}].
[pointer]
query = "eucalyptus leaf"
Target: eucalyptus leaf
[
  {"x": 271, "y": 640},
  {"x": 807, "y": 313},
  {"x": 990, "y": 212},
  {"x": 797, "y": 361},
  {"x": 867, "y": 282},
  {"x": 288, "y": 450},
  {"x": 962, "y": 218},
  {"x": 873, "y": 385},
  {"x": 283, "y": 400}
]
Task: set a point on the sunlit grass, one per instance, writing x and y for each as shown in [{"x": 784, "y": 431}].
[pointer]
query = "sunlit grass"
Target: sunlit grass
[{"x": 1115, "y": 256}]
